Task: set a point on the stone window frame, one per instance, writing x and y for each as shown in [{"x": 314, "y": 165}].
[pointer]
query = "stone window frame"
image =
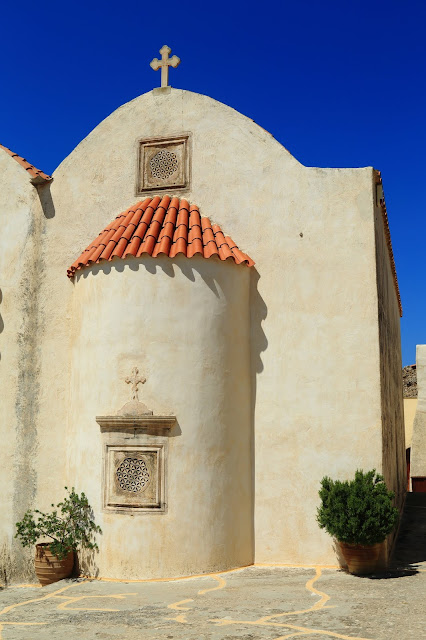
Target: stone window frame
[
  {"x": 130, "y": 433},
  {"x": 148, "y": 446},
  {"x": 163, "y": 141}
]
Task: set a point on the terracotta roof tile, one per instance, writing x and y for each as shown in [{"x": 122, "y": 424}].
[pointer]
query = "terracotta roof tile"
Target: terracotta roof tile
[
  {"x": 37, "y": 176},
  {"x": 156, "y": 226}
]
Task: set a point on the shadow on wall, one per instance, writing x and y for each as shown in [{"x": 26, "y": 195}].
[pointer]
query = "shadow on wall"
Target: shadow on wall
[
  {"x": 258, "y": 309},
  {"x": 258, "y": 313},
  {"x": 43, "y": 191},
  {"x": 85, "y": 564},
  {"x": 166, "y": 265},
  {"x": 189, "y": 268},
  {"x": 258, "y": 343},
  {"x": 410, "y": 546}
]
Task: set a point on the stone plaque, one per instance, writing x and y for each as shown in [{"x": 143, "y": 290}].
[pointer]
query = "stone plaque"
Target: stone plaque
[
  {"x": 134, "y": 478},
  {"x": 163, "y": 164}
]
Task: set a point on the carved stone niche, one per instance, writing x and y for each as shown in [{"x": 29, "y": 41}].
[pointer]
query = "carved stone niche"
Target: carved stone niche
[
  {"x": 163, "y": 164},
  {"x": 135, "y": 447},
  {"x": 135, "y": 462}
]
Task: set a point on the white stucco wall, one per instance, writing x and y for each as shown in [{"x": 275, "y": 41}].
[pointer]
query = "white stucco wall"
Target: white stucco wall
[
  {"x": 19, "y": 249},
  {"x": 410, "y": 407},
  {"x": 317, "y": 401},
  {"x": 185, "y": 324},
  {"x": 316, "y": 405},
  {"x": 418, "y": 443}
]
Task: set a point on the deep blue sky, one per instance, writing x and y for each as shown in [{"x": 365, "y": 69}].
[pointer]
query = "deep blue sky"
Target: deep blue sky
[{"x": 339, "y": 84}]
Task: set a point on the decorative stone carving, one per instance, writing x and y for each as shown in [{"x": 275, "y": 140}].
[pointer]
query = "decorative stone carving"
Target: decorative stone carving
[
  {"x": 163, "y": 163},
  {"x": 134, "y": 407},
  {"x": 135, "y": 453},
  {"x": 134, "y": 478},
  {"x": 164, "y": 64},
  {"x": 134, "y": 380},
  {"x": 132, "y": 475},
  {"x": 153, "y": 424}
]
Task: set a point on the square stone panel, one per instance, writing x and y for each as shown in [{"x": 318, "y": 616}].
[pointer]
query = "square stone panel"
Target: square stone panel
[
  {"x": 163, "y": 164},
  {"x": 134, "y": 478}
]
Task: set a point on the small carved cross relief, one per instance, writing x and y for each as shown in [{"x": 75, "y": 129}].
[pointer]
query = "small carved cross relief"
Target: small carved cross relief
[
  {"x": 134, "y": 380},
  {"x": 164, "y": 64}
]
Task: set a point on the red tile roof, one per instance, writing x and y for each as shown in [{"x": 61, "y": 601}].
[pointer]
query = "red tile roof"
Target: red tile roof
[
  {"x": 166, "y": 226},
  {"x": 37, "y": 176}
]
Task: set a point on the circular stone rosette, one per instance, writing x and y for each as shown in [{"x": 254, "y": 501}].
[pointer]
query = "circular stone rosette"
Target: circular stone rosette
[
  {"x": 163, "y": 164},
  {"x": 132, "y": 475}
]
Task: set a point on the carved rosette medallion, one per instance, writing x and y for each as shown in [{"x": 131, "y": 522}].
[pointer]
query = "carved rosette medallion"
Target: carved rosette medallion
[
  {"x": 132, "y": 475},
  {"x": 163, "y": 164}
]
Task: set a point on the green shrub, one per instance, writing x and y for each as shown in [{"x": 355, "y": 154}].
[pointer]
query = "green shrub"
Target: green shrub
[
  {"x": 74, "y": 527},
  {"x": 358, "y": 511}
]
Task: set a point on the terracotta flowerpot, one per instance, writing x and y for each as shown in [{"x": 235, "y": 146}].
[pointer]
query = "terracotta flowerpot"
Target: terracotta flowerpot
[
  {"x": 361, "y": 560},
  {"x": 49, "y": 568}
]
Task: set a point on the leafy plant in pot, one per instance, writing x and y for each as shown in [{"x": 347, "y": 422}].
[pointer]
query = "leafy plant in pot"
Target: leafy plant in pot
[
  {"x": 360, "y": 514},
  {"x": 70, "y": 525}
]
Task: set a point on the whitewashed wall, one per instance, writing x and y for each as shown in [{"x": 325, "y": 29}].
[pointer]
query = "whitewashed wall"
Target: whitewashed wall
[
  {"x": 185, "y": 324},
  {"x": 315, "y": 354},
  {"x": 21, "y": 228}
]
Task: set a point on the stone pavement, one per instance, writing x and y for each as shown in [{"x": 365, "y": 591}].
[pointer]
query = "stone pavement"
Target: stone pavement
[
  {"x": 252, "y": 603},
  {"x": 255, "y": 603}
]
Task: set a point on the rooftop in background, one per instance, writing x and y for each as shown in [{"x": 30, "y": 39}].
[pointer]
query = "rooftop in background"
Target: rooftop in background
[
  {"x": 409, "y": 381},
  {"x": 37, "y": 176}
]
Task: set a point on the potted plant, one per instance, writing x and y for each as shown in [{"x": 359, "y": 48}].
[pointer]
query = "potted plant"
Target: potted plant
[
  {"x": 69, "y": 526},
  {"x": 360, "y": 514}
]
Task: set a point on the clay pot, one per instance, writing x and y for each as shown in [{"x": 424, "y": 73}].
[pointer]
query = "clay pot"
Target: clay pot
[
  {"x": 361, "y": 560},
  {"x": 49, "y": 568}
]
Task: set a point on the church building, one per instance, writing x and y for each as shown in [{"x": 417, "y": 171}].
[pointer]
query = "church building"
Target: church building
[{"x": 195, "y": 328}]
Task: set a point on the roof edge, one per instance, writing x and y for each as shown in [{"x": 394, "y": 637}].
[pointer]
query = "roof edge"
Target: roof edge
[
  {"x": 382, "y": 203},
  {"x": 168, "y": 226},
  {"x": 36, "y": 175}
]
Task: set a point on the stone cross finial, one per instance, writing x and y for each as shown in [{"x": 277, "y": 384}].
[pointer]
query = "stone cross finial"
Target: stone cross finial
[
  {"x": 165, "y": 63},
  {"x": 134, "y": 380}
]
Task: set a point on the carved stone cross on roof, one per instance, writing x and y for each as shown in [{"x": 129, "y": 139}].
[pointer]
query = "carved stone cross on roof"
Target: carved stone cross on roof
[
  {"x": 134, "y": 380},
  {"x": 164, "y": 64}
]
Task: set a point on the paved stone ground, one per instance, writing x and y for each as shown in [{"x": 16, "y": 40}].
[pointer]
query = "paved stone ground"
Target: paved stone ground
[{"x": 256, "y": 603}]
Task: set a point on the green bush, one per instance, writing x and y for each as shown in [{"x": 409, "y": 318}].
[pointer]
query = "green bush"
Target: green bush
[
  {"x": 73, "y": 527},
  {"x": 358, "y": 511}
]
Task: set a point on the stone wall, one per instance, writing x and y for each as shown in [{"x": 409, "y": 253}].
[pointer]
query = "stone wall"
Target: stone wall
[{"x": 409, "y": 381}]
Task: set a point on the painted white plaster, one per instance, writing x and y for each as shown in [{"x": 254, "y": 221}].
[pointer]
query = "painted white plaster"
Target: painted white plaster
[
  {"x": 185, "y": 325},
  {"x": 320, "y": 311},
  {"x": 18, "y": 257},
  {"x": 410, "y": 407},
  {"x": 418, "y": 443}
]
